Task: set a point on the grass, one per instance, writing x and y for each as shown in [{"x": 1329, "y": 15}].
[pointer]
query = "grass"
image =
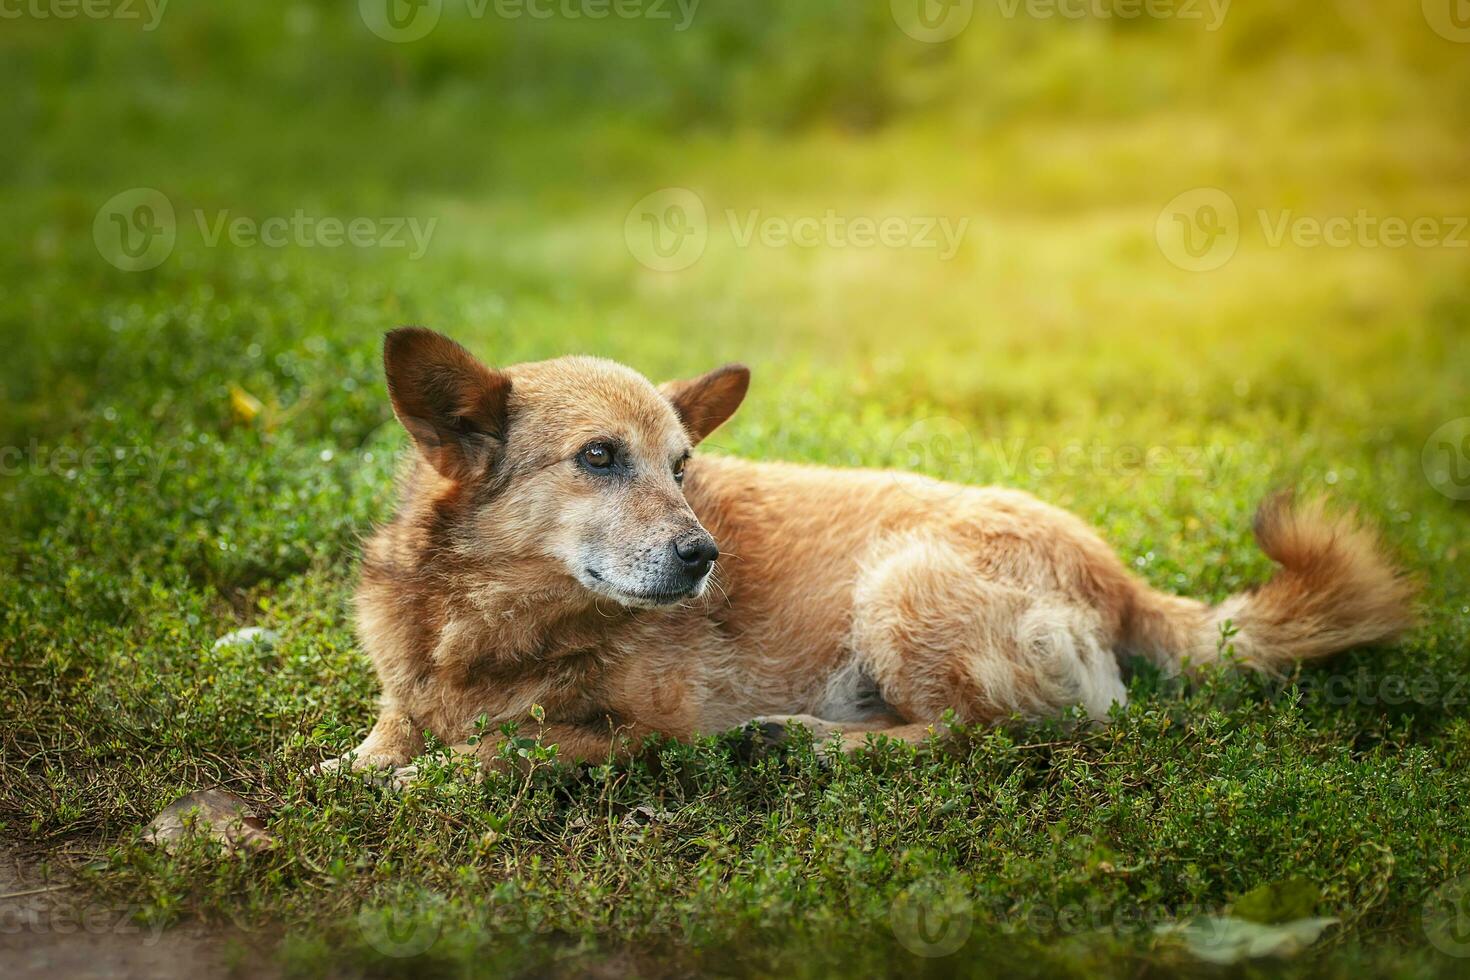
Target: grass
[{"x": 200, "y": 447}]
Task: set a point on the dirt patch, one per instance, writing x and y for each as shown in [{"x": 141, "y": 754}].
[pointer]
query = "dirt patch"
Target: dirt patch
[{"x": 51, "y": 928}]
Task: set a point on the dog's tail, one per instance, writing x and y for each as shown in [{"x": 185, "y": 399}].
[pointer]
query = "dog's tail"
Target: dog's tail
[{"x": 1336, "y": 588}]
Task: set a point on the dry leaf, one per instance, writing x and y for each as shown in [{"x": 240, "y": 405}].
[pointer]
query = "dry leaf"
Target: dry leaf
[
  {"x": 245, "y": 406},
  {"x": 211, "y": 813},
  {"x": 1225, "y": 940}
]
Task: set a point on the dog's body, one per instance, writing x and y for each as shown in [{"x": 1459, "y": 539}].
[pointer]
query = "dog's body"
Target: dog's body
[{"x": 530, "y": 564}]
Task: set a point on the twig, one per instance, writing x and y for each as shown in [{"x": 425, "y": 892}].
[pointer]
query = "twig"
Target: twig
[{"x": 34, "y": 891}]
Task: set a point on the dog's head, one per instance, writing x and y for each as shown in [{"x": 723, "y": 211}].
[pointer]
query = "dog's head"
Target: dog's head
[{"x": 577, "y": 463}]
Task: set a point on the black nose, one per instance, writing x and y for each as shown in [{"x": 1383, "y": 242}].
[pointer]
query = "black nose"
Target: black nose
[{"x": 697, "y": 551}]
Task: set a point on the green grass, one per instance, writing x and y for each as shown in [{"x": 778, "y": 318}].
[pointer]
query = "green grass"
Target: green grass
[{"x": 143, "y": 515}]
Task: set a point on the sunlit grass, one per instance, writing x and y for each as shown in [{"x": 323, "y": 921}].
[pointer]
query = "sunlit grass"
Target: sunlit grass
[{"x": 1057, "y": 349}]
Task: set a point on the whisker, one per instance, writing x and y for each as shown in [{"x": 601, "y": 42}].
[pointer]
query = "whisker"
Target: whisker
[{"x": 723, "y": 594}]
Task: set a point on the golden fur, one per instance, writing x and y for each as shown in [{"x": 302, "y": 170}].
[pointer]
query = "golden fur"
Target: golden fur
[{"x": 852, "y": 601}]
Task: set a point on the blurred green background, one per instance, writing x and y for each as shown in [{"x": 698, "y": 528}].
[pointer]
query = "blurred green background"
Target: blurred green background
[
  {"x": 1136, "y": 314},
  {"x": 528, "y": 140}
]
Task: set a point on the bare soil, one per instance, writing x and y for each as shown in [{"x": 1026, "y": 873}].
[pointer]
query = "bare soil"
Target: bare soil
[{"x": 49, "y": 928}]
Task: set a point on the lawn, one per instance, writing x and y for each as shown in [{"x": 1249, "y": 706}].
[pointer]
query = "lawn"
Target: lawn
[{"x": 199, "y": 446}]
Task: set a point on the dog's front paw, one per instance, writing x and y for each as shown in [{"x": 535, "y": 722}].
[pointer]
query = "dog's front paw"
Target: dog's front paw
[
  {"x": 772, "y": 733},
  {"x": 400, "y": 778},
  {"x": 348, "y": 763},
  {"x": 352, "y": 762},
  {"x": 784, "y": 724}
]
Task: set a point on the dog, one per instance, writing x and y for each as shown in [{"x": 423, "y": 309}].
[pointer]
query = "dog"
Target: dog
[{"x": 561, "y": 559}]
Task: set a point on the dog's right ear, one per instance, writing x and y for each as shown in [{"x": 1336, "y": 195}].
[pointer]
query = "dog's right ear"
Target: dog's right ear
[{"x": 452, "y": 405}]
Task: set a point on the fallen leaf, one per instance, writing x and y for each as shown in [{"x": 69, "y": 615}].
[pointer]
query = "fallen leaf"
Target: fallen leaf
[
  {"x": 211, "y": 813},
  {"x": 245, "y": 406},
  {"x": 1225, "y": 939}
]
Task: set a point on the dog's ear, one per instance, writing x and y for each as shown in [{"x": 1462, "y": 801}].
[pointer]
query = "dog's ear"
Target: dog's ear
[
  {"x": 452, "y": 405},
  {"x": 705, "y": 402}
]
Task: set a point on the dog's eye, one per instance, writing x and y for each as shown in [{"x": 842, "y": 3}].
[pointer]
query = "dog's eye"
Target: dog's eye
[
  {"x": 599, "y": 455},
  {"x": 679, "y": 469}
]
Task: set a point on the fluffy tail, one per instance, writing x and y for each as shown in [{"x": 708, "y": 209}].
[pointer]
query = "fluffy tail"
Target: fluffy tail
[{"x": 1335, "y": 589}]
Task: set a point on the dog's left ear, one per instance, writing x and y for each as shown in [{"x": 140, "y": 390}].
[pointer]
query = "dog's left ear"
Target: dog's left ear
[{"x": 705, "y": 402}]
